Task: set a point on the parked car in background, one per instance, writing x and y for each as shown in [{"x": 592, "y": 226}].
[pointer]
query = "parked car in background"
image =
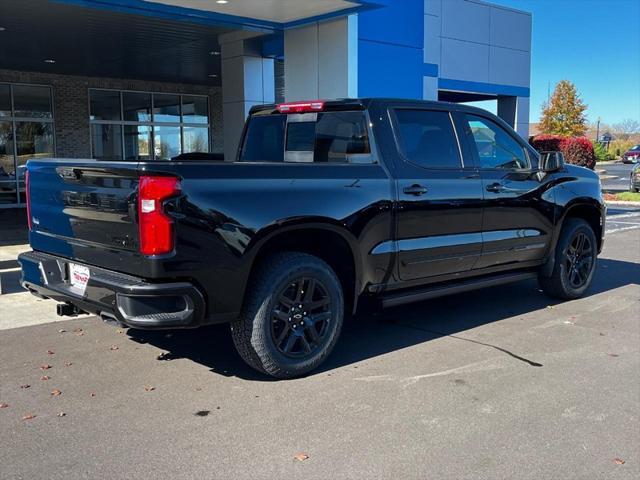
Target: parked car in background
[
  {"x": 632, "y": 155},
  {"x": 634, "y": 180},
  {"x": 327, "y": 204}
]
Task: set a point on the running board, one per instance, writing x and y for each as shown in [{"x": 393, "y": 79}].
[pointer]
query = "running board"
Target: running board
[{"x": 395, "y": 299}]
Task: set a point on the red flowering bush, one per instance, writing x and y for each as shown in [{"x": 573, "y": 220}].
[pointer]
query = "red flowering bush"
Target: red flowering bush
[
  {"x": 579, "y": 151},
  {"x": 576, "y": 150},
  {"x": 547, "y": 143}
]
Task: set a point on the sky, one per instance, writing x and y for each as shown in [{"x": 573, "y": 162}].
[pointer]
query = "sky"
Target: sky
[{"x": 593, "y": 43}]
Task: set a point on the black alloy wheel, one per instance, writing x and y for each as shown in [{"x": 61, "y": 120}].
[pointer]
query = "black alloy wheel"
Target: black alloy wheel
[
  {"x": 292, "y": 315},
  {"x": 301, "y": 317},
  {"x": 579, "y": 258}
]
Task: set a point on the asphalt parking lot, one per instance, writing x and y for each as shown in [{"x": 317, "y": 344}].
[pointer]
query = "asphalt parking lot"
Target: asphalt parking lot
[
  {"x": 499, "y": 383},
  {"x": 616, "y": 176}
]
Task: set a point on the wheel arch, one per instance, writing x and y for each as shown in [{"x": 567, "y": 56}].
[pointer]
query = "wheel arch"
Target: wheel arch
[
  {"x": 332, "y": 243},
  {"x": 589, "y": 210}
]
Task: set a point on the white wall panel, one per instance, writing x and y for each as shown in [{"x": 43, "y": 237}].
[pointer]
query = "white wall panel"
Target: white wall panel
[
  {"x": 464, "y": 61},
  {"x": 510, "y": 29},
  {"x": 509, "y": 67},
  {"x": 465, "y": 20}
]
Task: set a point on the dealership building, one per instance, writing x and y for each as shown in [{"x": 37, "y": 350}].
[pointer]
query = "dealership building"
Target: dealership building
[{"x": 155, "y": 79}]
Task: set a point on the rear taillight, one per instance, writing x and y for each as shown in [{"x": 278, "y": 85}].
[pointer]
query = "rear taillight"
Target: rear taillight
[
  {"x": 27, "y": 194},
  {"x": 301, "y": 107},
  {"x": 156, "y": 227}
]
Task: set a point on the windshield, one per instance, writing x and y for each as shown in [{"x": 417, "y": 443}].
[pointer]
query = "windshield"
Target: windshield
[{"x": 635, "y": 148}]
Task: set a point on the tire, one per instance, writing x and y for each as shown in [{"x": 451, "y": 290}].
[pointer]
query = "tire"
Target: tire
[
  {"x": 275, "y": 331},
  {"x": 572, "y": 272}
]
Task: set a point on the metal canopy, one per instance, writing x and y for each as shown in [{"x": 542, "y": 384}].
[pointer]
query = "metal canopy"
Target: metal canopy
[{"x": 95, "y": 42}]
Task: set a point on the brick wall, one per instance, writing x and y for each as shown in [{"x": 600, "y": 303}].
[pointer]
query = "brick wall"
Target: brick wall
[{"x": 71, "y": 105}]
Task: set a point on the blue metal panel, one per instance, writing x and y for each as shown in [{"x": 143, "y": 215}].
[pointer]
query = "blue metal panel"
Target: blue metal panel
[
  {"x": 430, "y": 70},
  {"x": 479, "y": 87},
  {"x": 390, "y": 50},
  {"x": 395, "y": 22},
  {"x": 386, "y": 70}
]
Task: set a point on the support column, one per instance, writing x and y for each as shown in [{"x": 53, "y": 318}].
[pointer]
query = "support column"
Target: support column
[
  {"x": 507, "y": 109},
  {"x": 515, "y": 111},
  {"x": 321, "y": 60},
  {"x": 522, "y": 117},
  {"x": 247, "y": 80}
]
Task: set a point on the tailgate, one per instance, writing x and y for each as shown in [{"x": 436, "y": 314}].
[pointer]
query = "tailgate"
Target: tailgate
[{"x": 81, "y": 207}]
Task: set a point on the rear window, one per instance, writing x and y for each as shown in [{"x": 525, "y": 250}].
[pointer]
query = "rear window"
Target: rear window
[{"x": 327, "y": 137}]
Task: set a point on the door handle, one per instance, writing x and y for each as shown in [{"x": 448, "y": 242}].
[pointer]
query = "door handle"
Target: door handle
[
  {"x": 495, "y": 187},
  {"x": 500, "y": 188},
  {"x": 415, "y": 189}
]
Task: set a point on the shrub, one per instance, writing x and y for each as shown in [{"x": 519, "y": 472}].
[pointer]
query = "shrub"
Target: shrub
[
  {"x": 601, "y": 152},
  {"x": 546, "y": 143},
  {"x": 578, "y": 151},
  {"x": 618, "y": 147}
]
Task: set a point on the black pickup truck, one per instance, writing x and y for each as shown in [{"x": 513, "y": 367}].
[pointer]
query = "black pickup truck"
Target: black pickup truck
[{"x": 326, "y": 205}]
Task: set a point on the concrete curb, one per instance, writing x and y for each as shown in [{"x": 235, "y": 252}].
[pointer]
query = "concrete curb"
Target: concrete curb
[{"x": 620, "y": 203}]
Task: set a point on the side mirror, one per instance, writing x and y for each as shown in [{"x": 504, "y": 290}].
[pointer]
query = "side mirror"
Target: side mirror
[{"x": 551, "y": 161}]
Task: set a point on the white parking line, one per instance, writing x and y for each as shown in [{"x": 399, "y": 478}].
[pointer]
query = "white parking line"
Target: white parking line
[
  {"x": 612, "y": 218},
  {"x": 623, "y": 229}
]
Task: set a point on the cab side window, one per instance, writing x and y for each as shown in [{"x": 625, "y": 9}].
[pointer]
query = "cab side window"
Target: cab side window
[
  {"x": 495, "y": 147},
  {"x": 427, "y": 138}
]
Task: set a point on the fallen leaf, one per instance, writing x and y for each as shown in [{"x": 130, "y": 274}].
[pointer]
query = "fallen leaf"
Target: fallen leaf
[
  {"x": 618, "y": 461},
  {"x": 601, "y": 334},
  {"x": 25, "y": 386},
  {"x": 92, "y": 394},
  {"x": 114, "y": 347},
  {"x": 55, "y": 392},
  {"x": 45, "y": 366},
  {"x": 301, "y": 457},
  {"x": 50, "y": 352},
  {"x": 4, "y": 405},
  {"x": 198, "y": 389},
  {"x": 62, "y": 330},
  {"x": 78, "y": 330},
  {"x": 29, "y": 416},
  {"x": 118, "y": 331},
  {"x": 613, "y": 354},
  {"x": 45, "y": 377},
  {"x": 68, "y": 364},
  {"x": 62, "y": 414},
  {"x": 148, "y": 388}
]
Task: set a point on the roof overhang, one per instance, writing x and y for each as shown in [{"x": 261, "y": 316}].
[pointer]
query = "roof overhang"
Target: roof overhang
[{"x": 268, "y": 15}]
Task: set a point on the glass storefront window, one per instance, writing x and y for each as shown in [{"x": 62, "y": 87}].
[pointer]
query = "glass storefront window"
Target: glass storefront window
[
  {"x": 152, "y": 126},
  {"x": 166, "y": 108},
  {"x": 195, "y": 139},
  {"x": 5, "y": 101},
  {"x": 26, "y": 132},
  {"x": 136, "y": 106},
  {"x": 166, "y": 142},
  {"x": 195, "y": 109},
  {"x": 31, "y": 102},
  {"x": 104, "y": 105},
  {"x": 7, "y": 165},
  {"x": 137, "y": 142},
  {"x": 33, "y": 140},
  {"x": 106, "y": 140}
]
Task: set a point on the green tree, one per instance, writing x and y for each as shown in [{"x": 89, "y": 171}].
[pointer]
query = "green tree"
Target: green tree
[{"x": 564, "y": 113}]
